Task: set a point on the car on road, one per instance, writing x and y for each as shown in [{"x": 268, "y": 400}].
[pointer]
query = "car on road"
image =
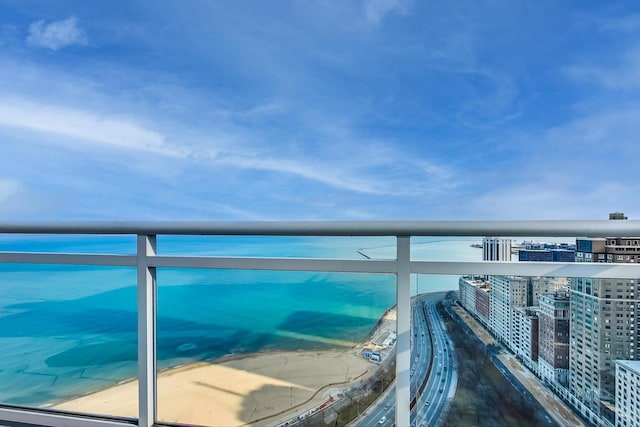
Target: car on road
[
  {"x": 426, "y": 403},
  {"x": 382, "y": 420}
]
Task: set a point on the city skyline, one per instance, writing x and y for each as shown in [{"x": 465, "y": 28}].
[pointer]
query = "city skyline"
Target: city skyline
[{"x": 382, "y": 109}]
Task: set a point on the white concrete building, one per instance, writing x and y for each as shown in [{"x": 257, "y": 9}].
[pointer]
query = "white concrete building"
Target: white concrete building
[
  {"x": 496, "y": 249},
  {"x": 507, "y": 292},
  {"x": 627, "y": 393},
  {"x": 467, "y": 292},
  {"x": 524, "y": 339}
]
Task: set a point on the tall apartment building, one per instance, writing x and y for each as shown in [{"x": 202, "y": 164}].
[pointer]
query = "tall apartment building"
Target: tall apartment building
[
  {"x": 539, "y": 286},
  {"x": 553, "y": 339},
  {"x": 467, "y": 291},
  {"x": 617, "y": 215},
  {"x": 628, "y": 393},
  {"x": 604, "y": 324},
  {"x": 525, "y": 335},
  {"x": 547, "y": 255},
  {"x": 496, "y": 249},
  {"x": 474, "y": 296},
  {"x": 509, "y": 292},
  {"x": 483, "y": 309}
]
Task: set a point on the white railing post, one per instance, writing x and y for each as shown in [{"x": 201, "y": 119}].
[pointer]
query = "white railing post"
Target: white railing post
[
  {"x": 403, "y": 325},
  {"x": 147, "y": 301}
]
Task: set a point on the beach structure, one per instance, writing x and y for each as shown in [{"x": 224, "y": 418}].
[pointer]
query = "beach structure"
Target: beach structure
[{"x": 390, "y": 340}]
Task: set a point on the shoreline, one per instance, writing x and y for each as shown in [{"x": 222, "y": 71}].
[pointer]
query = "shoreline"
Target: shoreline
[{"x": 243, "y": 389}]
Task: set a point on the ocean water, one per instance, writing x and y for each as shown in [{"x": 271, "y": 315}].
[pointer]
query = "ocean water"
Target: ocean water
[{"x": 70, "y": 330}]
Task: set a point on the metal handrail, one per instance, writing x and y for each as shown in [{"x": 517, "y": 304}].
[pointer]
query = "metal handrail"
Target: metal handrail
[{"x": 551, "y": 228}]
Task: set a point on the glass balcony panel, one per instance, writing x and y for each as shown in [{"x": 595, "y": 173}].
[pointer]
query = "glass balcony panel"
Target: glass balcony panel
[
  {"x": 85, "y": 244},
  {"x": 238, "y": 346},
  {"x": 71, "y": 331},
  {"x": 67, "y": 332},
  {"x": 446, "y": 248},
  {"x": 279, "y": 246}
]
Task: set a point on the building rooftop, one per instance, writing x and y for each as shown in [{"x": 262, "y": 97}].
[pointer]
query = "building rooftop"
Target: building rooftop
[{"x": 632, "y": 365}]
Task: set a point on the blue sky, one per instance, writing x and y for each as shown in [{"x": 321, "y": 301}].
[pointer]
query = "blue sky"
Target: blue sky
[{"x": 319, "y": 110}]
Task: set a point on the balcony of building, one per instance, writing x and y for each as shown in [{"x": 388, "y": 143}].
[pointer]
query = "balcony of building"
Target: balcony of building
[{"x": 89, "y": 307}]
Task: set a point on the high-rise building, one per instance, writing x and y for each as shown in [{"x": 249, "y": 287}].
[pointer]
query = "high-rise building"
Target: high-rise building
[
  {"x": 604, "y": 328},
  {"x": 496, "y": 249},
  {"x": 467, "y": 291},
  {"x": 608, "y": 249},
  {"x": 474, "y": 296},
  {"x": 553, "y": 338},
  {"x": 547, "y": 255},
  {"x": 628, "y": 393},
  {"x": 617, "y": 215},
  {"x": 525, "y": 335},
  {"x": 483, "y": 310},
  {"x": 604, "y": 323},
  {"x": 509, "y": 292},
  {"x": 539, "y": 286}
]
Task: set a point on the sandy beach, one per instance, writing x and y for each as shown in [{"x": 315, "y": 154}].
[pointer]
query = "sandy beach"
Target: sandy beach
[
  {"x": 257, "y": 389},
  {"x": 236, "y": 392}
]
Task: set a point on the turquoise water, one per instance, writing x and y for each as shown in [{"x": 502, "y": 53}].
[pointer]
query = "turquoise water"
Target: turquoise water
[{"x": 70, "y": 330}]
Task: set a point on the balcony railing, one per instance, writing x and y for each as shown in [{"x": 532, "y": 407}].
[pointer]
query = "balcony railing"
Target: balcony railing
[{"x": 146, "y": 260}]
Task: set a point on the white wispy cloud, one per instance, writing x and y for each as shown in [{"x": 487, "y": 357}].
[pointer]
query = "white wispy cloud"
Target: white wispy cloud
[
  {"x": 9, "y": 188},
  {"x": 85, "y": 126},
  {"x": 576, "y": 170},
  {"x": 623, "y": 75},
  {"x": 367, "y": 173},
  {"x": 602, "y": 130},
  {"x": 360, "y": 174},
  {"x": 622, "y": 24},
  {"x": 376, "y": 10},
  {"x": 311, "y": 170},
  {"x": 57, "y": 35},
  {"x": 552, "y": 199}
]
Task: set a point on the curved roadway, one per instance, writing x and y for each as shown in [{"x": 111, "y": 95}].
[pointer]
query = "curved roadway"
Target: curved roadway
[{"x": 433, "y": 364}]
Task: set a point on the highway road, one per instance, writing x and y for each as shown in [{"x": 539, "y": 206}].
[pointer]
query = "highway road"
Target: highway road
[
  {"x": 442, "y": 381},
  {"x": 432, "y": 360}
]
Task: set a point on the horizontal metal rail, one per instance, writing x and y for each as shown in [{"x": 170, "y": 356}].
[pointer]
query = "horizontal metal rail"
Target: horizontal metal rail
[
  {"x": 68, "y": 259},
  {"x": 38, "y": 417},
  {"x": 549, "y": 269},
  {"x": 621, "y": 228},
  {"x": 546, "y": 269}
]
